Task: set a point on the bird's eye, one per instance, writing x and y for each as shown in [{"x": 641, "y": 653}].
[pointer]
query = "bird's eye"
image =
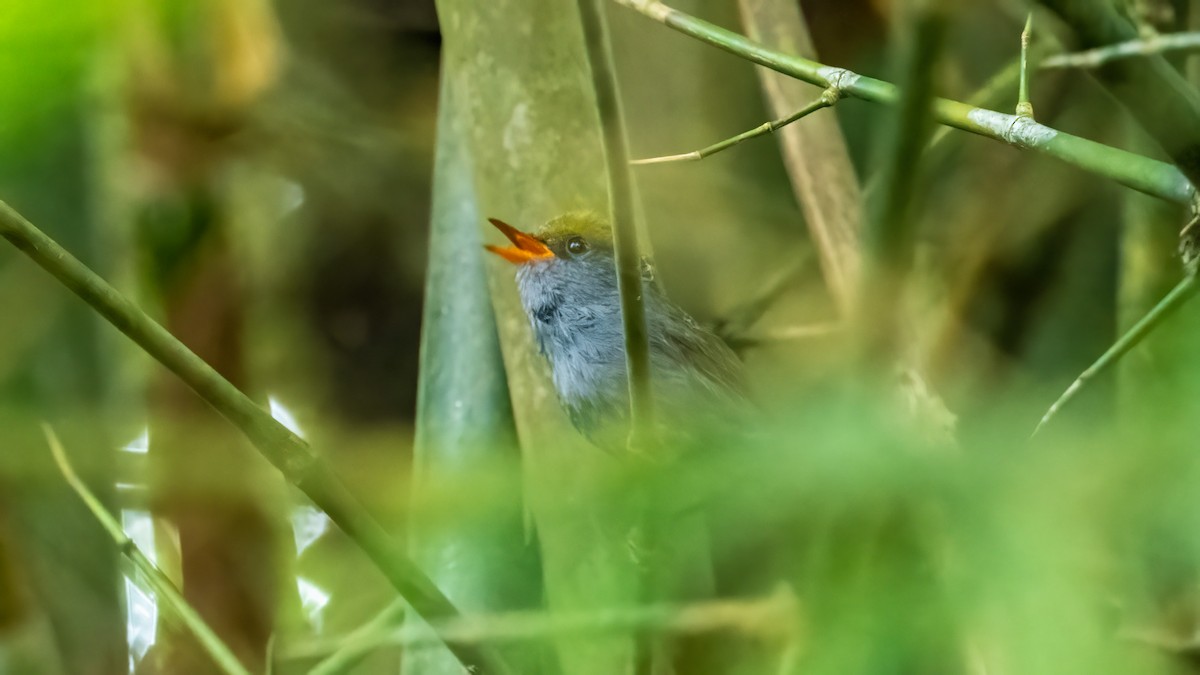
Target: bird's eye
[{"x": 577, "y": 246}]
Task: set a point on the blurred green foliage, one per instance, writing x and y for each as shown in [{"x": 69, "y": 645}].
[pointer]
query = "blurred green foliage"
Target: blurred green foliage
[
  {"x": 260, "y": 176},
  {"x": 45, "y": 52}
]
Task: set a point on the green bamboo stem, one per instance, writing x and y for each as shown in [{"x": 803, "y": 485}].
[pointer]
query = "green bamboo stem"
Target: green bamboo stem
[
  {"x": 168, "y": 595},
  {"x": 1155, "y": 93},
  {"x": 889, "y": 237},
  {"x": 1179, "y": 295},
  {"x": 621, "y": 207},
  {"x": 1135, "y": 171},
  {"x": 995, "y": 91},
  {"x": 1148, "y": 46},
  {"x": 1024, "y": 105},
  {"x": 286, "y": 451},
  {"x": 825, "y": 100}
]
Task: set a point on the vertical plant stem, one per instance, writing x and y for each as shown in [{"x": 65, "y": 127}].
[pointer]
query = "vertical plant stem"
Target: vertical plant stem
[
  {"x": 648, "y": 658},
  {"x": 890, "y": 235},
  {"x": 167, "y": 593},
  {"x": 621, "y": 207},
  {"x": 1024, "y": 105}
]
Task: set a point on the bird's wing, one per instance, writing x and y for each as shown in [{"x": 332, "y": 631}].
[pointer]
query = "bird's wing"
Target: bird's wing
[{"x": 707, "y": 365}]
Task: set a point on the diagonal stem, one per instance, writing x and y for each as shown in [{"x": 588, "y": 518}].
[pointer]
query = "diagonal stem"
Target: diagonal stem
[
  {"x": 284, "y": 449},
  {"x": 163, "y": 588},
  {"x": 1178, "y": 296},
  {"x": 825, "y": 100},
  {"x": 620, "y": 186},
  {"x": 1132, "y": 170}
]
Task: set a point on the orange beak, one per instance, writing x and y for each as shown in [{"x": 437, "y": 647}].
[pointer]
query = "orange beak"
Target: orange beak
[{"x": 525, "y": 248}]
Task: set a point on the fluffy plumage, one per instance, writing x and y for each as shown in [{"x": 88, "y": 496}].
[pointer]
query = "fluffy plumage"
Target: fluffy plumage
[{"x": 573, "y": 305}]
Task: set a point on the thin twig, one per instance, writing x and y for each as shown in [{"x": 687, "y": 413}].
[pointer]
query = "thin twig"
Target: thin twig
[
  {"x": 284, "y": 449},
  {"x": 1094, "y": 58},
  {"x": 620, "y": 196},
  {"x": 825, "y": 100},
  {"x": 166, "y": 592},
  {"x": 774, "y": 616},
  {"x": 1144, "y": 174},
  {"x": 1179, "y": 295},
  {"x": 1024, "y": 105}
]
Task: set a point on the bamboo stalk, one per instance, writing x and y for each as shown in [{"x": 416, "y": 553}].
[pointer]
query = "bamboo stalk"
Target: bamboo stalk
[
  {"x": 1135, "y": 171},
  {"x": 1159, "y": 98},
  {"x": 621, "y": 208},
  {"x": 890, "y": 236},
  {"x": 286, "y": 451}
]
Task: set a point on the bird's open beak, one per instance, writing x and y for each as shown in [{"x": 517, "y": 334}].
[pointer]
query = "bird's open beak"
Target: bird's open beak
[{"x": 525, "y": 248}]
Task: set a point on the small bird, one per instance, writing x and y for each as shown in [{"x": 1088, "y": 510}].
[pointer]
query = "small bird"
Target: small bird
[
  {"x": 567, "y": 280},
  {"x": 568, "y": 286}
]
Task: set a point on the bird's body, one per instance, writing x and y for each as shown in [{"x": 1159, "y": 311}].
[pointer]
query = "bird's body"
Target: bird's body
[{"x": 568, "y": 287}]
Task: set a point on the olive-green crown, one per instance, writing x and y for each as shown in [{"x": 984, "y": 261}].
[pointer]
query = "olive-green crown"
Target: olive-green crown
[{"x": 587, "y": 224}]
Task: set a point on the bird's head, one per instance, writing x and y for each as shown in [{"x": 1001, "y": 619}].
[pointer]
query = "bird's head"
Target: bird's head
[
  {"x": 570, "y": 259},
  {"x": 577, "y": 236},
  {"x": 568, "y": 284}
]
